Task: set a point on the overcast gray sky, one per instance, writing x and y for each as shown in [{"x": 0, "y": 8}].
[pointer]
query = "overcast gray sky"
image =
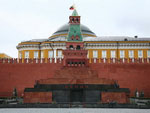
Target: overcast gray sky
[{"x": 37, "y": 19}]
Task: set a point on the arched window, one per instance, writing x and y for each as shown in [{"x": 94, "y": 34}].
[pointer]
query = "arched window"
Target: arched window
[
  {"x": 77, "y": 19},
  {"x": 72, "y": 38},
  {"x": 71, "y": 47},
  {"x": 78, "y": 47},
  {"x": 72, "y": 19},
  {"x": 77, "y": 37}
]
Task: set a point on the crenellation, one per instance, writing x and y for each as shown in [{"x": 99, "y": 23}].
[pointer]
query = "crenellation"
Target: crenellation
[{"x": 91, "y": 60}]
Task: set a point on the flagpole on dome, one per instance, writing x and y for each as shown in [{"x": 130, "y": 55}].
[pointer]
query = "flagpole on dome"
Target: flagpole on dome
[{"x": 73, "y": 7}]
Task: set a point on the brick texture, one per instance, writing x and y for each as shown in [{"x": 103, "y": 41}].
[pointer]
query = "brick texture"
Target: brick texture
[
  {"x": 38, "y": 97},
  {"x": 114, "y": 97},
  {"x": 22, "y": 75}
]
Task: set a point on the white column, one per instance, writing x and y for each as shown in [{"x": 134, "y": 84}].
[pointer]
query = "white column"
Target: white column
[{"x": 55, "y": 55}]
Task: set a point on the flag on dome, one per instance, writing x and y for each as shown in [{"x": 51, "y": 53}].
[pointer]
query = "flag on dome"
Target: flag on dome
[{"x": 72, "y": 7}]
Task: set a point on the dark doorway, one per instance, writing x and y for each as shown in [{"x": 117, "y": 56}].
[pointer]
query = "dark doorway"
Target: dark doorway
[{"x": 76, "y": 96}]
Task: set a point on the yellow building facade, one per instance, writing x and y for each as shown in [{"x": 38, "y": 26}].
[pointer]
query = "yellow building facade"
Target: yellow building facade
[
  {"x": 3, "y": 55},
  {"x": 96, "y": 49},
  {"x": 118, "y": 47}
]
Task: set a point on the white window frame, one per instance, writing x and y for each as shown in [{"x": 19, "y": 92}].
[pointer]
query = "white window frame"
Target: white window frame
[
  {"x": 113, "y": 53},
  {"x": 36, "y": 54},
  {"x": 131, "y": 54},
  {"x": 140, "y": 53},
  {"x": 59, "y": 53},
  {"x": 42, "y": 54},
  {"x": 148, "y": 53},
  {"x": 50, "y": 54},
  {"x": 88, "y": 54},
  {"x": 122, "y": 54},
  {"x": 95, "y": 54},
  {"x": 26, "y": 54},
  {"x": 104, "y": 54},
  {"x": 20, "y": 55}
]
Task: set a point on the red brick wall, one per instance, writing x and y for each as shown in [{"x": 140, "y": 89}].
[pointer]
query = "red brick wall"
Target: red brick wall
[
  {"x": 132, "y": 75},
  {"x": 118, "y": 97},
  {"x": 23, "y": 75},
  {"x": 37, "y": 97}
]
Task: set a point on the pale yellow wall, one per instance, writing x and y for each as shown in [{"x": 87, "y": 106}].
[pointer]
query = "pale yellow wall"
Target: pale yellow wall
[
  {"x": 45, "y": 54},
  {"x": 31, "y": 53},
  {"x": 145, "y": 53},
  {"x": 126, "y": 50},
  {"x": 3, "y": 55},
  {"x": 109, "y": 52}
]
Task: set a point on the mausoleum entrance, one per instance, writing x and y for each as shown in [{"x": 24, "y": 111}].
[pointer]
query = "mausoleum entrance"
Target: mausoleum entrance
[{"x": 76, "y": 95}]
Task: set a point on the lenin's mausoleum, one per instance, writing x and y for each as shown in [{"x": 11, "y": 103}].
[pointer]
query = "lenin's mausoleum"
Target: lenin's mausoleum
[{"x": 75, "y": 65}]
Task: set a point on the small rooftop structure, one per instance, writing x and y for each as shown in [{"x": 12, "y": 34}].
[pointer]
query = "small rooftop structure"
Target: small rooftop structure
[{"x": 3, "y": 55}]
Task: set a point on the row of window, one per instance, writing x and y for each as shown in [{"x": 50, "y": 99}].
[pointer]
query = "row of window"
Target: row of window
[
  {"x": 122, "y": 54},
  {"x": 36, "y": 54},
  {"x": 95, "y": 54}
]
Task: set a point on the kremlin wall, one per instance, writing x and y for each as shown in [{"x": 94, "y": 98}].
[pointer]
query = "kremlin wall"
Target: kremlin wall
[{"x": 15, "y": 74}]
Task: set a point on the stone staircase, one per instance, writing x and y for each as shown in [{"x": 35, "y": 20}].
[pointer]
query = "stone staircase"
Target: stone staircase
[{"x": 75, "y": 75}]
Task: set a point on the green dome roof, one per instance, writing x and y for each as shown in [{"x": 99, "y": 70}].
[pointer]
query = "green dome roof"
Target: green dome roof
[{"x": 63, "y": 31}]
